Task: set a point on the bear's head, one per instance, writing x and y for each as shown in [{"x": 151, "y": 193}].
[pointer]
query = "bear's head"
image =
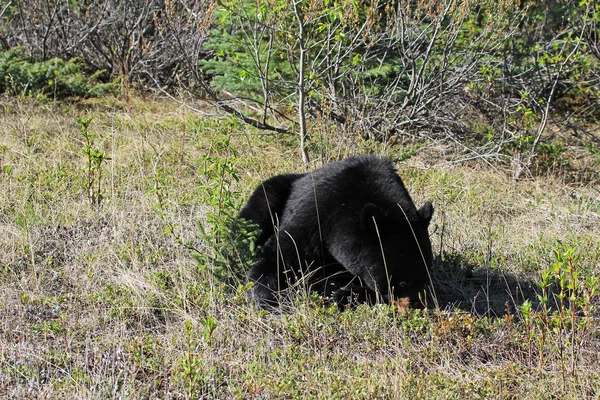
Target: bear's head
[{"x": 396, "y": 256}]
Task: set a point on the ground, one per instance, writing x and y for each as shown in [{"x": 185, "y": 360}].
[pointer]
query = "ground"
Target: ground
[{"x": 123, "y": 298}]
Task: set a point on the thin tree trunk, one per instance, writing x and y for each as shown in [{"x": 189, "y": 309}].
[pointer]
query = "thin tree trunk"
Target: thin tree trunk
[{"x": 301, "y": 94}]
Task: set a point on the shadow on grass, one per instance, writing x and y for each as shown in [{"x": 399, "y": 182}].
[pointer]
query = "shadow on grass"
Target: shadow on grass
[{"x": 469, "y": 287}]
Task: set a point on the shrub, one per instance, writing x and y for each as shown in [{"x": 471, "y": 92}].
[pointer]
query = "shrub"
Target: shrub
[{"x": 57, "y": 78}]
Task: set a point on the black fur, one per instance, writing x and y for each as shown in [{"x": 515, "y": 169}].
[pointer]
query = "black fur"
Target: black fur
[
  {"x": 265, "y": 205},
  {"x": 329, "y": 227}
]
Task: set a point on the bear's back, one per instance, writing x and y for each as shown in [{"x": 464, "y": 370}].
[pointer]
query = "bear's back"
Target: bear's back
[
  {"x": 353, "y": 182},
  {"x": 340, "y": 190}
]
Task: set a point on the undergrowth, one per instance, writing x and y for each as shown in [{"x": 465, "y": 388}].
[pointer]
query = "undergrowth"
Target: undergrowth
[{"x": 51, "y": 79}]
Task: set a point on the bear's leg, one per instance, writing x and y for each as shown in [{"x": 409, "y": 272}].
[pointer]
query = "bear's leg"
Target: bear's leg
[
  {"x": 270, "y": 273},
  {"x": 282, "y": 262},
  {"x": 266, "y": 283}
]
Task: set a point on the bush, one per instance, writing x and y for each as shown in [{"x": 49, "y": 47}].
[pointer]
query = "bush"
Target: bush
[{"x": 57, "y": 78}]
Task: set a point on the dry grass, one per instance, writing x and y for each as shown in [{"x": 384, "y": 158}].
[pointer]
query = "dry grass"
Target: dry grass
[{"x": 102, "y": 303}]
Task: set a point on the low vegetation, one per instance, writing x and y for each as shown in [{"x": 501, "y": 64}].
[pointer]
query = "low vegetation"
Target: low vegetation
[
  {"x": 119, "y": 277},
  {"x": 21, "y": 76}
]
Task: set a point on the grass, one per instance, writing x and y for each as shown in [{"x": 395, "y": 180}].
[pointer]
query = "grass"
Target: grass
[{"x": 107, "y": 300}]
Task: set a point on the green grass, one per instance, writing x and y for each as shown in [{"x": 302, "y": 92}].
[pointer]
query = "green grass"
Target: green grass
[{"x": 109, "y": 300}]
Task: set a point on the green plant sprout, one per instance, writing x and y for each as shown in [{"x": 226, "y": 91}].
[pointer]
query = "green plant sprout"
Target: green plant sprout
[
  {"x": 567, "y": 303},
  {"x": 95, "y": 159},
  {"x": 231, "y": 239}
]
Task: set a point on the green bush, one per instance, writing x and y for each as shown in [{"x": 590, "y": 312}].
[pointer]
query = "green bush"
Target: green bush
[
  {"x": 57, "y": 78},
  {"x": 229, "y": 240}
]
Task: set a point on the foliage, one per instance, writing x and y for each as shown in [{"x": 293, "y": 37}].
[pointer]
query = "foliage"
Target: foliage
[
  {"x": 94, "y": 163},
  {"x": 191, "y": 371},
  {"x": 54, "y": 78},
  {"x": 384, "y": 71},
  {"x": 227, "y": 242},
  {"x": 360, "y": 48},
  {"x": 376, "y": 69},
  {"x": 230, "y": 240},
  {"x": 568, "y": 302},
  {"x": 239, "y": 68}
]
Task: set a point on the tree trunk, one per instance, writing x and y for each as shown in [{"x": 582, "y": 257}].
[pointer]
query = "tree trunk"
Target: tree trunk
[{"x": 301, "y": 94}]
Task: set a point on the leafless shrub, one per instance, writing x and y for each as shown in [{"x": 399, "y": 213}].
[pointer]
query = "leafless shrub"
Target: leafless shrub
[{"x": 128, "y": 39}]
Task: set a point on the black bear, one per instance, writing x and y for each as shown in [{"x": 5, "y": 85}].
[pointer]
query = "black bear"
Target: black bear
[{"x": 347, "y": 229}]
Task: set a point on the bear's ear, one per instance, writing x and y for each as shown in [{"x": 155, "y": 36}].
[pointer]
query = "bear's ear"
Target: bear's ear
[
  {"x": 367, "y": 214},
  {"x": 426, "y": 212}
]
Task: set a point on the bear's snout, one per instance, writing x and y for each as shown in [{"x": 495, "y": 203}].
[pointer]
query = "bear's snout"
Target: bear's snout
[{"x": 405, "y": 303}]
